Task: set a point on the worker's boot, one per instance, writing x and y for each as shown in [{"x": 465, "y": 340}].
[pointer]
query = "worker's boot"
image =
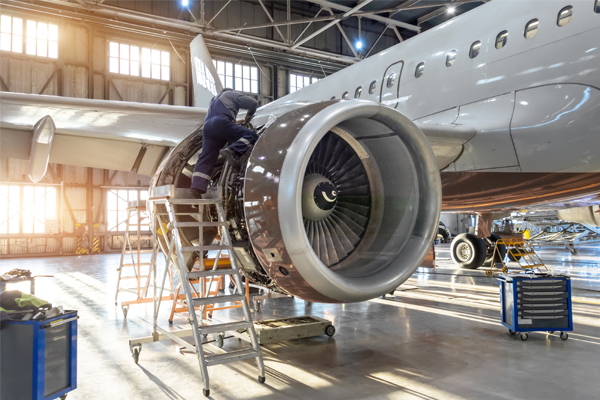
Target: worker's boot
[
  {"x": 232, "y": 157},
  {"x": 197, "y": 193}
]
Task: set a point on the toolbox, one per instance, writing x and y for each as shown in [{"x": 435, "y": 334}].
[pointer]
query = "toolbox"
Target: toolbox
[
  {"x": 39, "y": 358},
  {"x": 536, "y": 303}
]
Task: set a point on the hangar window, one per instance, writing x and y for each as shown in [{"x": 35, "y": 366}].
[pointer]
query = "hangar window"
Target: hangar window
[
  {"x": 298, "y": 82},
  {"x": 597, "y": 7},
  {"x": 531, "y": 28},
  {"x": 11, "y": 36},
  {"x": 25, "y": 209},
  {"x": 41, "y": 38},
  {"x": 345, "y": 95},
  {"x": 373, "y": 86},
  {"x": 419, "y": 70},
  {"x": 358, "y": 92},
  {"x": 565, "y": 15},
  {"x": 450, "y": 58},
  {"x": 135, "y": 61},
  {"x": 501, "y": 39},
  {"x": 475, "y": 49},
  {"x": 242, "y": 78},
  {"x": 116, "y": 208},
  {"x": 391, "y": 79}
]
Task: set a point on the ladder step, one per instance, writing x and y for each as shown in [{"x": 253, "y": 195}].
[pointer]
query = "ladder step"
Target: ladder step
[
  {"x": 205, "y": 248},
  {"x": 132, "y": 277},
  {"x": 202, "y": 301},
  {"x": 231, "y": 356},
  {"x": 217, "y": 272},
  {"x": 191, "y": 202},
  {"x": 135, "y": 265},
  {"x": 135, "y": 251},
  {"x": 228, "y": 326},
  {"x": 198, "y": 224}
]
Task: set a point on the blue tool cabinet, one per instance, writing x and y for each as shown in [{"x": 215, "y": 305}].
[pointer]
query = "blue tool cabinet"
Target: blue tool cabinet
[
  {"x": 39, "y": 358},
  {"x": 536, "y": 303}
]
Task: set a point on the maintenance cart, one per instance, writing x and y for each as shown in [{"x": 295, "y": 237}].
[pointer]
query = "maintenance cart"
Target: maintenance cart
[{"x": 535, "y": 303}]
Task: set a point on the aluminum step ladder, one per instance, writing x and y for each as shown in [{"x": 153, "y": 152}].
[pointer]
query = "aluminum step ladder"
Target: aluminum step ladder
[{"x": 201, "y": 327}]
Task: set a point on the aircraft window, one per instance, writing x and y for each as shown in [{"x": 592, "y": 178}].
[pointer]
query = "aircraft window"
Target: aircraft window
[
  {"x": 475, "y": 49},
  {"x": 597, "y": 7},
  {"x": 501, "y": 39},
  {"x": 391, "y": 79},
  {"x": 373, "y": 85},
  {"x": 333, "y": 98},
  {"x": 450, "y": 58},
  {"x": 419, "y": 70},
  {"x": 531, "y": 28},
  {"x": 564, "y": 16},
  {"x": 358, "y": 92},
  {"x": 345, "y": 95}
]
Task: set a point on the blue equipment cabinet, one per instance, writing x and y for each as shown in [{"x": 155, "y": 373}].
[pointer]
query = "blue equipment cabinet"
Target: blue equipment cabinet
[
  {"x": 39, "y": 358},
  {"x": 535, "y": 303}
]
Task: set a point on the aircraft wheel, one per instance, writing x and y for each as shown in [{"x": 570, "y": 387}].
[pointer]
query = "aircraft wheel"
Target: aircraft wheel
[{"x": 468, "y": 251}]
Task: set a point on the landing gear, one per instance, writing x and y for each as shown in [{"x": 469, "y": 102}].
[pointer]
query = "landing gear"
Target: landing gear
[
  {"x": 468, "y": 251},
  {"x": 492, "y": 257}
]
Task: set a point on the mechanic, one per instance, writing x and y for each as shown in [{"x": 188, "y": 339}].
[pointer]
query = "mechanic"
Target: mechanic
[{"x": 219, "y": 129}]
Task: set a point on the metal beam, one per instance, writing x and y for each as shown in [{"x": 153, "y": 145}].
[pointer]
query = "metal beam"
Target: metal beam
[
  {"x": 377, "y": 41},
  {"x": 218, "y": 12},
  {"x": 280, "y": 23},
  {"x": 121, "y": 14},
  {"x": 271, "y": 18},
  {"x": 343, "y": 32},
  {"x": 329, "y": 25},
  {"x": 309, "y": 24},
  {"x": 392, "y": 22}
]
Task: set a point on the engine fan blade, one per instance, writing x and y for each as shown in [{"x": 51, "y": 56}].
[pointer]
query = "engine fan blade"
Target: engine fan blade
[
  {"x": 346, "y": 243},
  {"x": 331, "y": 251},
  {"x": 357, "y": 208},
  {"x": 357, "y": 218},
  {"x": 356, "y": 228},
  {"x": 356, "y": 182},
  {"x": 348, "y": 232},
  {"x": 322, "y": 244},
  {"x": 337, "y": 244},
  {"x": 354, "y": 191}
]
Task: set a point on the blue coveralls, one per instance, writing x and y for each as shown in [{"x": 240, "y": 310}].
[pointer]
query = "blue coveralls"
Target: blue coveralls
[{"x": 219, "y": 129}]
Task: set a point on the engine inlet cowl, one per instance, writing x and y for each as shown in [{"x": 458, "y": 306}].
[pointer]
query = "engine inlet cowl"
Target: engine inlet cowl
[{"x": 345, "y": 197}]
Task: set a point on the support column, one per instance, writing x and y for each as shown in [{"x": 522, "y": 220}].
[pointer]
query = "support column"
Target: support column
[{"x": 484, "y": 225}]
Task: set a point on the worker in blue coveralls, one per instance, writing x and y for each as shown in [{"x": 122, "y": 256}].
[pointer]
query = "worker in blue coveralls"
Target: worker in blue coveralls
[{"x": 219, "y": 129}]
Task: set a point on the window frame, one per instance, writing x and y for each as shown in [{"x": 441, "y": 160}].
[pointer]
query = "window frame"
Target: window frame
[
  {"x": 559, "y": 18},
  {"x": 20, "y": 208},
  {"x": 140, "y": 60},
  {"x": 450, "y": 62},
  {"x": 35, "y": 39},
  {"x": 535, "y": 20},
  {"x": 419, "y": 73},
  {"x": 597, "y": 7},
  {"x": 498, "y": 40},
  {"x": 373, "y": 87},
  {"x": 108, "y": 210},
  {"x": 390, "y": 80},
  {"x": 311, "y": 80},
  {"x": 358, "y": 92},
  {"x": 472, "y": 48}
]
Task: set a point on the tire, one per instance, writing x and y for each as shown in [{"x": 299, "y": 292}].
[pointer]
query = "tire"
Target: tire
[
  {"x": 501, "y": 249},
  {"x": 468, "y": 251},
  {"x": 524, "y": 336},
  {"x": 564, "y": 335},
  {"x": 514, "y": 258},
  {"x": 330, "y": 330}
]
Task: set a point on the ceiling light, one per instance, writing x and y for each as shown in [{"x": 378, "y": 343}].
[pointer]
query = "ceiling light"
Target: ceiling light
[
  {"x": 359, "y": 45},
  {"x": 185, "y": 3}
]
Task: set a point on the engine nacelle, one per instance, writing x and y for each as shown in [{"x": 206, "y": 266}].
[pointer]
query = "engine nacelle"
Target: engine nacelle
[
  {"x": 342, "y": 200},
  {"x": 339, "y": 200}
]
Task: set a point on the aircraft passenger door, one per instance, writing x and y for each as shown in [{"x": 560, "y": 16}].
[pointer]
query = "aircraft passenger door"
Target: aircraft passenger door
[{"x": 390, "y": 85}]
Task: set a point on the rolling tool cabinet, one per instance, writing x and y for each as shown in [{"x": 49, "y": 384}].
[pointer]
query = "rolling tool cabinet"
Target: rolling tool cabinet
[
  {"x": 39, "y": 358},
  {"x": 536, "y": 303}
]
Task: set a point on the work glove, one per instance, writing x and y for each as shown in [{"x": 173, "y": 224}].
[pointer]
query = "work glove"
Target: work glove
[{"x": 247, "y": 122}]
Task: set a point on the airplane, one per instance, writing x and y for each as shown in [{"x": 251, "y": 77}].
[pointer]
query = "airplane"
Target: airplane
[{"x": 339, "y": 200}]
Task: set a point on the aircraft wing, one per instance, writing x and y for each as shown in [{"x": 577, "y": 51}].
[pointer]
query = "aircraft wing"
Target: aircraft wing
[{"x": 116, "y": 135}]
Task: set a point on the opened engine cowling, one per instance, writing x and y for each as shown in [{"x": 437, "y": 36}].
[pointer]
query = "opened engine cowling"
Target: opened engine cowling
[{"x": 341, "y": 200}]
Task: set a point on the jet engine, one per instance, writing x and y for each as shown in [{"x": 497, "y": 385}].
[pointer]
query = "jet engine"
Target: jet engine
[{"x": 338, "y": 201}]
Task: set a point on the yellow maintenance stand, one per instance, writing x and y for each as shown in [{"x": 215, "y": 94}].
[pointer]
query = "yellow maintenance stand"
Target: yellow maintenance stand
[{"x": 521, "y": 252}]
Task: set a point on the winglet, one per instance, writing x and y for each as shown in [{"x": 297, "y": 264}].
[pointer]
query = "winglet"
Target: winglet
[
  {"x": 206, "y": 80},
  {"x": 41, "y": 144}
]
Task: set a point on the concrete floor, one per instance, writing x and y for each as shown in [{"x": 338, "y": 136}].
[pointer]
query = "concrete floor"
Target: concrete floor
[{"x": 439, "y": 337}]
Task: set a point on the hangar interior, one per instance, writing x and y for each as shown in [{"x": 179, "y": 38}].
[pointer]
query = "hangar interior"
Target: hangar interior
[{"x": 437, "y": 336}]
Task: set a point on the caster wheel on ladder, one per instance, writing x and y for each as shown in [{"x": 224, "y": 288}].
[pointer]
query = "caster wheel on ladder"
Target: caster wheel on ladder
[
  {"x": 206, "y": 392},
  {"x": 564, "y": 335},
  {"x": 136, "y": 355},
  {"x": 219, "y": 340},
  {"x": 261, "y": 379}
]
